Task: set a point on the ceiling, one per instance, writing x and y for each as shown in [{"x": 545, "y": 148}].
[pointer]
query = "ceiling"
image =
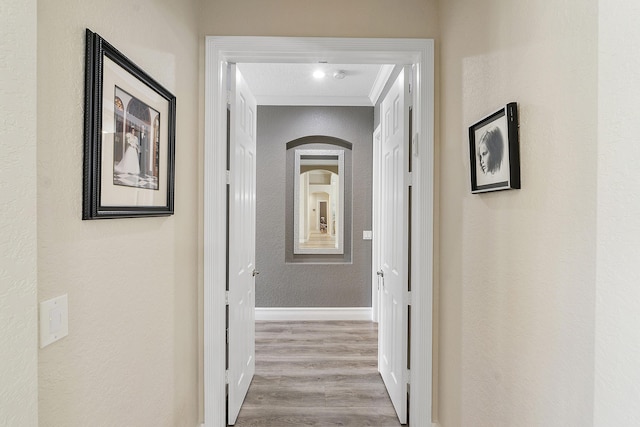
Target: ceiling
[{"x": 294, "y": 84}]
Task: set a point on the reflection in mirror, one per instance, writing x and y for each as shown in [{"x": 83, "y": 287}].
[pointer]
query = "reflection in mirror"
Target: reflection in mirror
[{"x": 318, "y": 202}]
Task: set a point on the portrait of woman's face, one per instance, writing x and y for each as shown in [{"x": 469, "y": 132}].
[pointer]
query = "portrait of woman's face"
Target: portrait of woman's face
[
  {"x": 484, "y": 157},
  {"x": 491, "y": 151}
]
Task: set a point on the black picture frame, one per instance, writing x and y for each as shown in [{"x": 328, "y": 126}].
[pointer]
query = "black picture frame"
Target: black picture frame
[
  {"x": 129, "y": 138},
  {"x": 494, "y": 151}
]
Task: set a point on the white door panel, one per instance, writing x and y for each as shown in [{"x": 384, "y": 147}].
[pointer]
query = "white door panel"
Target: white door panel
[
  {"x": 242, "y": 227},
  {"x": 393, "y": 325}
]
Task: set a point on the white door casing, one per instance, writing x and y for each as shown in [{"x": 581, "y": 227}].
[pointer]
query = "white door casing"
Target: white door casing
[
  {"x": 222, "y": 49},
  {"x": 242, "y": 241},
  {"x": 375, "y": 217},
  {"x": 394, "y": 219}
]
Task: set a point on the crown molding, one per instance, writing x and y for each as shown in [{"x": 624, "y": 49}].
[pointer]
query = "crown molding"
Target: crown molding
[
  {"x": 381, "y": 80},
  {"x": 332, "y": 101}
]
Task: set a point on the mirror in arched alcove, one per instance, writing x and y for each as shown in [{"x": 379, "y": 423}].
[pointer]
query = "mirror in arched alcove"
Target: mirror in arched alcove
[{"x": 319, "y": 201}]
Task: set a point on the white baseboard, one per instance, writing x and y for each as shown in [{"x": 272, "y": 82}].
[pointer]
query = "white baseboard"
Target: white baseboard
[{"x": 313, "y": 313}]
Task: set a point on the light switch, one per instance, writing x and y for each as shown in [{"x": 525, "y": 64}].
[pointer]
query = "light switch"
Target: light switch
[
  {"x": 54, "y": 320},
  {"x": 367, "y": 235}
]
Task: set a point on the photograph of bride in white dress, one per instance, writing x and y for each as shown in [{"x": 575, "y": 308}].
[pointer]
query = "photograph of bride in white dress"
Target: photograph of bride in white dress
[{"x": 136, "y": 142}]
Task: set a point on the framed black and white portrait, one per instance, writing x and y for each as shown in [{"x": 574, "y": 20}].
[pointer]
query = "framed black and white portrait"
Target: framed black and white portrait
[
  {"x": 129, "y": 153},
  {"x": 494, "y": 151}
]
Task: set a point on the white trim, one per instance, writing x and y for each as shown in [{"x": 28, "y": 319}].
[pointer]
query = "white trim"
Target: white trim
[
  {"x": 345, "y": 51},
  {"x": 375, "y": 219},
  {"x": 381, "y": 81},
  {"x": 312, "y": 313},
  {"x": 215, "y": 182},
  {"x": 332, "y": 101},
  {"x": 422, "y": 239}
]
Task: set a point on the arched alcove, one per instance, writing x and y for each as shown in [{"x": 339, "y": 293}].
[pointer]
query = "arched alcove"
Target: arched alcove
[
  {"x": 341, "y": 252},
  {"x": 319, "y": 139}
]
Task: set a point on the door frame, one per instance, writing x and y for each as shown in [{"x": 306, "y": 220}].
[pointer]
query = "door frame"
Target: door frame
[
  {"x": 222, "y": 49},
  {"x": 375, "y": 225}
]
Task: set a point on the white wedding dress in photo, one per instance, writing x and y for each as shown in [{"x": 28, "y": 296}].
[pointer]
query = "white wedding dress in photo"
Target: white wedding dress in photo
[{"x": 129, "y": 162}]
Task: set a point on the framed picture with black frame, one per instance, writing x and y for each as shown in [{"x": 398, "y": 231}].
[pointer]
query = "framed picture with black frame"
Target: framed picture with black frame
[
  {"x": 494, "y": 151},
  {"x": 129, "y": 137}
]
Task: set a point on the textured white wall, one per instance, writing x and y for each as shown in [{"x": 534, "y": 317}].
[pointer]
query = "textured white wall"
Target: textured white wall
[
  {"x": 18, "y": 267},
  {"x": 329, "y": 18},
  {"x": 131, "y": 356},
  {"x": 617, "y": 366},
  {"x": 517, "y": 268}
]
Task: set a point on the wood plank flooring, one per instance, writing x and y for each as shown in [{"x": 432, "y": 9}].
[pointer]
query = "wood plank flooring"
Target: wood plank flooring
[{"x": 317, "y": 374}]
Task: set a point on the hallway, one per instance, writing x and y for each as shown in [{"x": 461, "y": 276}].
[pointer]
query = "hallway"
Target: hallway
[
  {"x": 319, "y": 240},
  {"x": 317, "y": 374}
]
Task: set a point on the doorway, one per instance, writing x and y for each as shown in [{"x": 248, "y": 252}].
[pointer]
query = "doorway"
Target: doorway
[{"x": 257, "y": 49}]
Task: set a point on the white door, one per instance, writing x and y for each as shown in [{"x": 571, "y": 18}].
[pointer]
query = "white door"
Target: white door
[
  {"x": 242, "y": 242},
  {"x": 393, "y": 325}
]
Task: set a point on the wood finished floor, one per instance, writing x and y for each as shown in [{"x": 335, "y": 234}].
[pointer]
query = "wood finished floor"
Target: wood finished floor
[{"x": 317, "y": 374}]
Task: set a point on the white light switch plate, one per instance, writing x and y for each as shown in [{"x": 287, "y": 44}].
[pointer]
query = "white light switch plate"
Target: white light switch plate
[
  {"x": 54, "y": 320},
  {"x": 367, "y": 235}
]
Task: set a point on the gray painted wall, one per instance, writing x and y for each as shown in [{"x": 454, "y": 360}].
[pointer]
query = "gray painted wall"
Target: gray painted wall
[{"x": 294, "y": 284}]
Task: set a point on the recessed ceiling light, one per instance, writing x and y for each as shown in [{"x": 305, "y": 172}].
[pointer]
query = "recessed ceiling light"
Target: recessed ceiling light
[
  {"x": 339, "y": 75},
  {"x": 319, "y": 74}
]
